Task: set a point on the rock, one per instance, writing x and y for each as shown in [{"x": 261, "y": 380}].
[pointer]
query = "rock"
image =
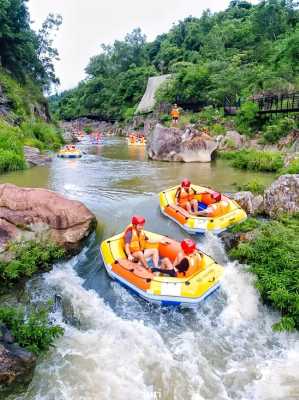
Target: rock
[
  {"x": 231, "y": 240},
  {"x": 16, "y": 366},
  {"x": 232, "y": 140},
  {"x": 29, "y": 214},
  {"x": 282, "y": 196},
  {"x": 34, "y": 156},
  {"x": 249, "y": 202},
  {"x": 173, "y": 144}
]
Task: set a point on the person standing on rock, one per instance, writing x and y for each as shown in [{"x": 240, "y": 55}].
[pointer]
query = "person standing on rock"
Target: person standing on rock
[{"x": 175, "y": 113}]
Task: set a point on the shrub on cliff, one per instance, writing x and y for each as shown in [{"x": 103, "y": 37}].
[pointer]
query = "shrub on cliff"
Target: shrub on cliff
[{"x": 273, "y": 256}]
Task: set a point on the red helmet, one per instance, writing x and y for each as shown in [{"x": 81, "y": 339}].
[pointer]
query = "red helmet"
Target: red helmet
[
  {"x": 138, "y": 220},
  {"x": 188, "y": 246},
  {"x": 216, "y": 196},
  {"x": 186, "y": 183}
]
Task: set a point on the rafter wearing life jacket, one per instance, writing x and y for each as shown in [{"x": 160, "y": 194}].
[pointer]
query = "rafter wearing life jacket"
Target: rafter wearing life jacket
[{"x": 185, "y": 193}]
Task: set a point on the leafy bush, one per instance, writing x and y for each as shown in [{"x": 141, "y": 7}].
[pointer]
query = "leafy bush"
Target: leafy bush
[
  {"x": 255, "y": 186},
  {"x": 268, "y": 161},
  {"x": 165, "y": 118},
  {"x": 247, "y": 120},
  {"x": 29, "y": 258},
  {"x": 279, "y": 129},
  {"x": 32, "y": 332},
  {"x": 217, "y": 129},
  {"x": 273, "y": 256}
]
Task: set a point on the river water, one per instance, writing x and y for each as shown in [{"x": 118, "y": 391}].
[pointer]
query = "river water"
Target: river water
[{"x": 116, "y": 346}]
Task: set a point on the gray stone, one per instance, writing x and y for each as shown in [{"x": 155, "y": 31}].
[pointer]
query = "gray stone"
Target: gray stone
[
  {"x": 173, "y": 144},
  {"x": 282, "y": 196},
  {"x": 249, "y": 202}
]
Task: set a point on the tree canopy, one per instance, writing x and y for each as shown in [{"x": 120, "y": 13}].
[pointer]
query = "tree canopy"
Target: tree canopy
[
  {"x": 24, "y": 52},
  {"x": 241, "y": 51}
]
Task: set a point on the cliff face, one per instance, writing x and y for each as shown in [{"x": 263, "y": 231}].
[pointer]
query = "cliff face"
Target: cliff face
[{"x": 21, "y": 101}]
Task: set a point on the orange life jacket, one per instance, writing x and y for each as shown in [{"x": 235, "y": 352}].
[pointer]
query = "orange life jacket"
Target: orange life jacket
[
  {"x": 195, "y": 263},
  {"x": 138, "y": 241},
  {"x": 183, "y": 196},
  {"x": 175, "y": 113}
]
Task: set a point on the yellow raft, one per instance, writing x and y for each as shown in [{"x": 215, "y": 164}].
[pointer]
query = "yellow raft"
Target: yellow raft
[
  {"x": 225, "y": 213},
  {"x": 186, "y": 291},
  {"x": 69, "y": 152}
]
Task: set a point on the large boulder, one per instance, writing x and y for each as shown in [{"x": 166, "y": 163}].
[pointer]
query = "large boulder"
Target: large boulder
[
  {"x": 282, "y": 196},
  {"x": 173, "y": 144},
  {"x": 33, "y": 156},
  {"x": 26, "y": 214},
  {"x": 232, "y": 140},
  {"x": 249, "y": 202}
]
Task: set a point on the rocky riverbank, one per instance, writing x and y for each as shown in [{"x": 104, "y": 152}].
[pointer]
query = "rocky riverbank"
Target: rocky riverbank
[{"x": 37, "y": 227}]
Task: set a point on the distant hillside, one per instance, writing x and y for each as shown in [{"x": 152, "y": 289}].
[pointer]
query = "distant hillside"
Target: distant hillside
[{"x": 241, "y": 51}]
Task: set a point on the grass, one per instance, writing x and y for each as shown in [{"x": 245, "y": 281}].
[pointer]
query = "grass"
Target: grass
[
  {"x": 29, "y": 258},
  {"x": 255, "y": 186},
  {"x": 248, "y": 225},
  {"x": 293, "y": 168},
  {"x": 273, "y": 256},
  {"x": 33, "y": 332},
  {"x": 255, "y": 160}
]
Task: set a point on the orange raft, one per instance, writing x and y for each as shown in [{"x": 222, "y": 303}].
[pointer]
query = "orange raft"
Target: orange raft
[{"x": 185, "y": 291}]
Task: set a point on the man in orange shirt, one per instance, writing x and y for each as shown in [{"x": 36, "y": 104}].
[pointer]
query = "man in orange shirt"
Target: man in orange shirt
[{"x": 175, "y": 113}]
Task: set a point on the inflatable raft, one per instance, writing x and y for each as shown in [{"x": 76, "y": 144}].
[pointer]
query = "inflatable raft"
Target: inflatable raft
[
  {"x": 136, "y": 142},
  {"x": 70, "y": 152},
  {"x": 223, "y": 214},
  {"x": 186, "y": 291}
]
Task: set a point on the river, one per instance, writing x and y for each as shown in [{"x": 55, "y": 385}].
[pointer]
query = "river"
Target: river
[{"x": 116, "y": 346}]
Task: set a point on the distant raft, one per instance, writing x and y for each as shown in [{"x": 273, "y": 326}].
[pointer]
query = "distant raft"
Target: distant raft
[
  {"x": 184, "y": 291},
  {"x": 220, "y": 216},
  {"x": 136, "y": 141},
  {"x": 69, "y": 152}
]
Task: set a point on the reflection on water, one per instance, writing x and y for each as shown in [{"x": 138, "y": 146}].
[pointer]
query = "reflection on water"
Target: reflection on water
[{"x": 123, "y": 348}]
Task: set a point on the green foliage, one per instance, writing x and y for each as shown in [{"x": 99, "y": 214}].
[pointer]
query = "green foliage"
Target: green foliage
[
  {"x": 247, "y": 120},
  {"x": 278, "y": 128},
  {"x": 248, "y": 225},
  {"x": 24, "y": 52},
  {"x": 32, "y": 332},
  {"x": 293, "y": 168},
  {"x": 244, "y": 50},
  {"x": 255, "y": 186},
  {"x": 268, "y": 161},
  {"x": 87, "y": 129},
  {"x": 45, "y": 136},
  {"x": 29, "y": 257},
  {"x": 273, "y": 256}
]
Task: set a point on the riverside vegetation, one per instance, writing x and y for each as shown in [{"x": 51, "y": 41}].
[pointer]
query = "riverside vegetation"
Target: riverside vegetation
[
  {"x": 26, "y": 70},
  {"x": 30, "y": 329},
  {"x": 273, "y": 256}
]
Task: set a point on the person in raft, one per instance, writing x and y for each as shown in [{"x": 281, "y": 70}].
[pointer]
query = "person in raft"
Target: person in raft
[
  {"x": 175, "y": 113},
  {"x": 185, "y": 197},
  {"x": 188, "y": 259},
  {"x": 137, "y": 244}
]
